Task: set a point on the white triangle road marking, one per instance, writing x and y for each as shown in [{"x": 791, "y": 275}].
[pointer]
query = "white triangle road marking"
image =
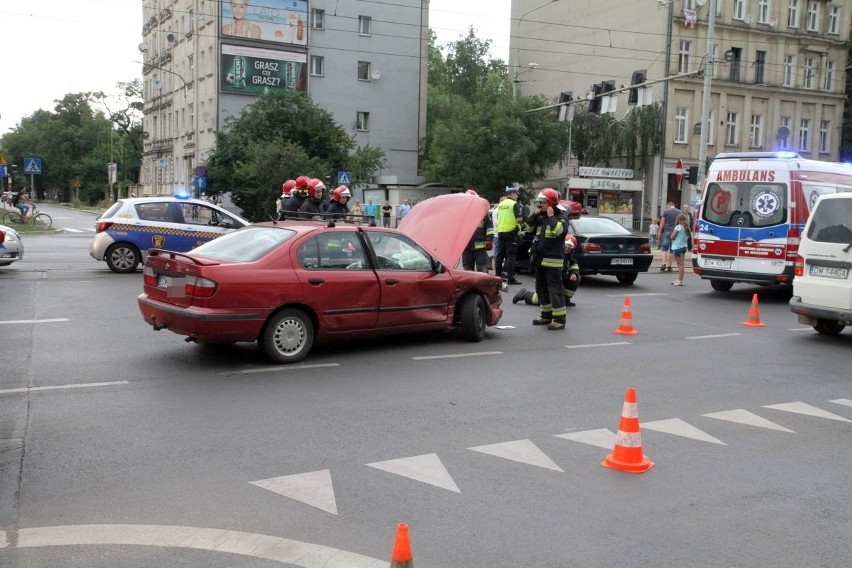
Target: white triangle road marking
[
  {"x": 843, "y": 401},
  {"x": 807, "y": 409},
  {"x": 523, "y": 451},
  {"x": 312, "y": 488},
  {"x": 678, "y": 427},
  {"x": 742, "y": 416},
  {"x": 601, "y": 438},
  {"x": 427, "y": 468}
]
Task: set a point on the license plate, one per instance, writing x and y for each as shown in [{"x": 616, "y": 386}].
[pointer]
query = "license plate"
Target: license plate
[
  {"x": 717, "y": 262},
  {"x": 622, "y": 261},
  {"x": 828, "y": 272},
  {"x": 163, "y": 281}
]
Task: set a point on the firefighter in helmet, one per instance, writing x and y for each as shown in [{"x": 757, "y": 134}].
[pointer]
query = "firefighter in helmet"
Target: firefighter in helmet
[
  {"x": 570, "y": 278},
  {"x": 475, "y": 255},
  {"x": 339, "y": 206},
  {"x": 548, "y": 251},
  {"x": 310, "y": 208},
  {"x": 297, "y": 197},
  {"x": 284, "y": 199}
]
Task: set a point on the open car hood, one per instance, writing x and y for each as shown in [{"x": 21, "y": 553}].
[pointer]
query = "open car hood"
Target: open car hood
[{"x": 444, "y": 225}]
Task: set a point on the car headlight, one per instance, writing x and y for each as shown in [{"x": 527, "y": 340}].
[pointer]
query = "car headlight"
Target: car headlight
[{"x": 11, "y": 237}]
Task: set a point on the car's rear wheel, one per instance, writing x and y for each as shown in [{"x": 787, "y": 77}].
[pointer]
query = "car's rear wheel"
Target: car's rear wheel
[
  {"x": 473, "y": 318},
  {"x": 721, "y": 285},
  {"x": 123, "y": 258},
  {"x": 828, "y": 327},
  {"x": 626, "y": 278},
  {"x": 287, "y": 337}
]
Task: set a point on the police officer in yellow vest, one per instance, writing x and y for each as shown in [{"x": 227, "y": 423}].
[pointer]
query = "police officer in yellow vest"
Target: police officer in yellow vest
[{"x": 509, "y": 219}]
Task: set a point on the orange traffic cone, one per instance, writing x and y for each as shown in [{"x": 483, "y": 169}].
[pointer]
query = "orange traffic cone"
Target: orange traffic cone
[
  {"x": 401, "y": 557},
  {"x": 754, "y": 315},
  {"x": 627, "y": 453},
  {"x": 626, "y": 327}
]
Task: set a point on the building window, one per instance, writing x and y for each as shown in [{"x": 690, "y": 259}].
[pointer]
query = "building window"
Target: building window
[
  {"x": 365, "y": 23},
  {"x": 683, "y": 56},
  {"x": 317, "y": 64},
  {"x": 362, "y": 121},
  {"x": 736, "y": 58},
  {"x": 710, "y": 122},
  {"x": 681, "y": 122},
  {"x": 689, "y": 4},
  {"x": 732, "y": 134},
  {"x": 755, "y": 135},
  {"x": 318, "y": 19},
  {"x": 190, "y": 109},
  {"x": 784, "y": 133},
  {"x": 813, "y": 17},
  {"x": 763, "y": 8},
  {"x": 789, "y": 65},
  {"x": 739, "y": 10},
  {"x": 824, "y": 135},
  {"x": 833, "y": 20},
  {"x": 191, "y": 61},
  {"x": 809, "y": 72},
  {"x": 716, "y": 61},
  {"x": 363, "y": 70},
  {"x": 805, "y": 135},
  {"x": 830, "y": 68},
  {"x": 793, "y": 14},
  {"x": 759, "y": 66}
]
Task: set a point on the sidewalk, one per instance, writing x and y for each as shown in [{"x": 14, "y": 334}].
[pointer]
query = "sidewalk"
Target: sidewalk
[{"x": 658, "y": 261}]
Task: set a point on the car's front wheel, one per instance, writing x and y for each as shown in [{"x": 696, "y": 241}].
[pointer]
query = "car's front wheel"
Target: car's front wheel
[
  {"x": 828, "y": 327},
  {"x": 473, "y": 318},
  {"x": 287, "y": 337},
  {"x": 123, "y": 258},
  {"x": 626, "y": 278}
]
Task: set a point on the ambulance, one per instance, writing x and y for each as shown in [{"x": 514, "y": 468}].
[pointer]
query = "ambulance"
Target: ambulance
[{"x": 752, "y": 211}]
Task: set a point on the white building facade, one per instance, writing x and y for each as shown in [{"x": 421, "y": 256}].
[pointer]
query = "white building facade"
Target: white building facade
[{"x": 204, "y": 60}]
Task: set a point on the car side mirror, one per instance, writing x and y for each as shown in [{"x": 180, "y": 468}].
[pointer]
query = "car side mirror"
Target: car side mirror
[{"x": 437, "y": 267}]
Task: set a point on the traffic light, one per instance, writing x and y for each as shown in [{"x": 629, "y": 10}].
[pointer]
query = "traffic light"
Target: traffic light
[
  {"x": 595, "y": 102},
  {"x": 692, "y": 175},
  {"x": 638, "y": 78},
  {"x": 566, "y": 109},
  {"x": 608, "y": 102}
]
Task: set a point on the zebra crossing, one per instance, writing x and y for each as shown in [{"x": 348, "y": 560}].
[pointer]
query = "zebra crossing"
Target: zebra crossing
[{"x": 316, "y": 488}]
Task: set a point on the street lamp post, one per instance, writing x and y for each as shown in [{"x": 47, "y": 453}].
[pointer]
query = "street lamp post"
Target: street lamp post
[
  {"x": 518, "y": 48},
  {"x": 705, "y": 96}
]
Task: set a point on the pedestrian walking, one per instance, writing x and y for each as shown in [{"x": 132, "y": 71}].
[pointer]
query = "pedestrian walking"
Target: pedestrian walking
[
  {"x": 669, "y": 220},
  {"x": 679, "y": 237}
]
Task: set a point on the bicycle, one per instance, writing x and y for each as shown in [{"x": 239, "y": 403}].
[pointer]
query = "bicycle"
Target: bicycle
[{"x": 35, "y": 218}]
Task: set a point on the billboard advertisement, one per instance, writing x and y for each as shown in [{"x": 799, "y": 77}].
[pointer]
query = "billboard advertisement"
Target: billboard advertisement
[
  {"x": 279, "y": 21},
  {"x": 253, "y": 71}
]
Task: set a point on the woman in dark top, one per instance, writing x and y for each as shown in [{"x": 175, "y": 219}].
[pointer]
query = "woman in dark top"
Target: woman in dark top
[{"x": 387, "y": 209}]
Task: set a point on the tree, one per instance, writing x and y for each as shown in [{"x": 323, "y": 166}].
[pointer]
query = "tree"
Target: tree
[
  {"x": 598, "y": 140},
  {"x": 476, "y": 134},
  {"x": 279, "y": 137}
]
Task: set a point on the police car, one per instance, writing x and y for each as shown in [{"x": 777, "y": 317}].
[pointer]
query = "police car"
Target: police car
[{"x": 126, "y": 231}]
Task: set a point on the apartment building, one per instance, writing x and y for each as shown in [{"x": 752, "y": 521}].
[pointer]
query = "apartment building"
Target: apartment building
[
  {"x": 205, "y": 60},
  {"x": 778, "y": 72}
]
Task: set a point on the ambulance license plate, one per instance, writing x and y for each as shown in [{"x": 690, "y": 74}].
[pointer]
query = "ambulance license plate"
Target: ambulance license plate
[{"x": 717, "y": 263}]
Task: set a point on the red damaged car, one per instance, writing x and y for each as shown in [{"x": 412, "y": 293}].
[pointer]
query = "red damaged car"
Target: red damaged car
[{"x": 288, "y": 285}]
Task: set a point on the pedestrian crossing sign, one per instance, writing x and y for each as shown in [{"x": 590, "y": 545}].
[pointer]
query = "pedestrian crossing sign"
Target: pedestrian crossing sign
[
  {"x": 344, "y": 178},
  {"x": 32, "y": 166}
]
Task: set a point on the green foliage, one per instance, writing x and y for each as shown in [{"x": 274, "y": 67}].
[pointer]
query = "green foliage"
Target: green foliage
[
  {"x": 76, "y": 141},
  {"x": 477, "y": 135},
  {"x": 633, "y": 141},
  {"x": 279, "y": 137}
]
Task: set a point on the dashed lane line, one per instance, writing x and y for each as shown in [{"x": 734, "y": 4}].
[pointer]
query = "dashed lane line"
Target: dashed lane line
[
  {"x": 716, "y": 336},
  {"x": 62, "y": 387},
  {"x": 54, "y": 320},
  {"x": 583, "y": 346},
  {"x": 279, "y": 368},
  {"x": 281, "y": 550},
  {"x": 455, "y": 355}
]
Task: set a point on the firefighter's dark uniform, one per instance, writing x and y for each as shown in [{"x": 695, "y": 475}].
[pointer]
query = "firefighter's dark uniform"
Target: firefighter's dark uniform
[
  {"x": 337, "y": 210},
  {"x": 549, "y": 252},
  {"x": 292, "y": 205},
  {"x": 475, "y": 256},
  {"x": 570, "y": 268}
]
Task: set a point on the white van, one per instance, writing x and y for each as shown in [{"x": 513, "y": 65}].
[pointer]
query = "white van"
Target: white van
[
  {"x": 822, "y": 289},
  {"x": 753, "y": 208}
]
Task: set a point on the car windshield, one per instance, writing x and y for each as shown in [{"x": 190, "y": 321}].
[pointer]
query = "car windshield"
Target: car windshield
[
  {"x": 746, "y": 204},
  {"x": 245, "y": 245},
  {"x": 598, "y": 225}
]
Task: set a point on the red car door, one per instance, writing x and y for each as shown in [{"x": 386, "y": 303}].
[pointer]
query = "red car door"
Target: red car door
[
  {"x": 338, "y": 281},
  {"x": 412, "y": 293}
]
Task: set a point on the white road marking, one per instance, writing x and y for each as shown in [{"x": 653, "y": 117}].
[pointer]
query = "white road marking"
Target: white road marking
[
  {"x": 597, "y": 345},
  {"x": 73, "y": 230},
  {"x": 801, "y": 329},
  {"x": 281, "y": 550},
  {"x": 678, "y": 427},
  {"x": 55, "y": 320},
  {"x": 636, "y": 295},
  {"x": 714, "y": 336},
  {"x": 843, "y": 401},
  {"x": 3, "y": 541},
  {"x": 63, "y": 387},
  {"x": 427, "y": 468},
  {"x": 807, "y": 409},
  {"x": 523, "y": 451},
  {"x": 312, "y": 488},
  {"x": 279, "y": 368},
  {"x": 454, "y": 355},
  {"x": 742, "y": 416},
  {"x": 601, "y": 438}
]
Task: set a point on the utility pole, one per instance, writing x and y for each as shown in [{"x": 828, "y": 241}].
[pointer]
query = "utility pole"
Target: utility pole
[{"x": 709, "y": 68}]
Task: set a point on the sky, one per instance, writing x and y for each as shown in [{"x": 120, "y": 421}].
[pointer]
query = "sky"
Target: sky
[{"x": 55, "y": 47}]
